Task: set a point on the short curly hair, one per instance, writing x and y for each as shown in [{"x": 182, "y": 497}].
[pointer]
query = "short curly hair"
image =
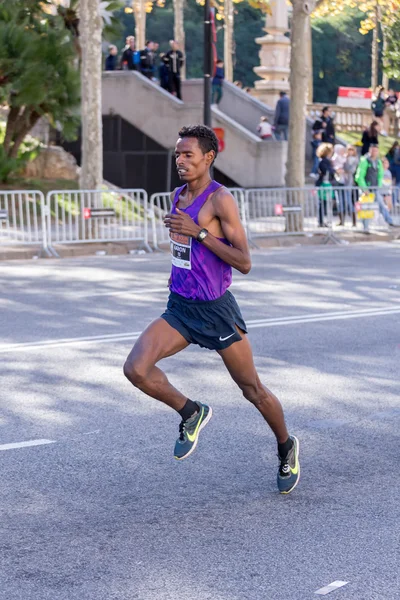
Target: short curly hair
[{"x": 205, "y": 136}]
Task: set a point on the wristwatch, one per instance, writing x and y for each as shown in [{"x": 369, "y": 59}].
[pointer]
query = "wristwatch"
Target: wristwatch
[{"x": 203, "y": 233}]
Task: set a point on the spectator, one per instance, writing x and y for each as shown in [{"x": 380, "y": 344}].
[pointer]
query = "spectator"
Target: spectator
[
  {"x": 370, "y": 136},
  {"x": 281, "y": 121},
  {"x": 326, "y": 177},
  {"x": 238, "y": 84},
  {"x": 351, "y": 195},
  {"x": 315, "y": 143},
  {"x": 369, "y": 176},
  {"x": 393, "y": 157},
  {"x": 326, "y": 125},
  {"x": 392, "y": 121},
  {"x": 111, "y": 60},
  {"x": 264, "y": 129},
  {"x": 378, "y": 106},
  {"x": 130, "y": 59},
  {"x": 387, "y": 184},
  {"x": 174, "y": 61},
  {"x": 147, "y": 60},
  {"x": 163, "y": 73},
  {"x": 218, "y": 82},
  {"x": 338, "y": 161}
]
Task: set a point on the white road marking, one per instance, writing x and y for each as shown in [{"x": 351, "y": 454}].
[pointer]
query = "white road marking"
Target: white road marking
[
  {"x": 314, "y": 318},
  {"x": 25, "y": 444},
  {"x": 70, "y": 341},
  {"x": 251, "y": 324},
  {"x": 331, "y": 588}
]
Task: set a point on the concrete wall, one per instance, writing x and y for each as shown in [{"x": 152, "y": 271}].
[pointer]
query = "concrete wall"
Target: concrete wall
[
  {"x": 246, "y": 159},
  {"x": 235, "y": 103},
  {"x": 147, "y": 106},
  {"x": 256, "y": 163}
]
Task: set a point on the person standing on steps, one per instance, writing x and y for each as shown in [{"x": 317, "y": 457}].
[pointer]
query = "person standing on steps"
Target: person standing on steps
[
  {"x": 147, "y": 60},
  {"x": 207, "y": 240},
  {"x": 130, "y": 58},
  {"x": 218, "y": 82},
  {"x": 281, "y": 120},
  {"x": 174, "y": 61}
]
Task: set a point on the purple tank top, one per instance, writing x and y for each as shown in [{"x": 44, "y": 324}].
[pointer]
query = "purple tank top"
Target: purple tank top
[{"x": 197, "y": 273}]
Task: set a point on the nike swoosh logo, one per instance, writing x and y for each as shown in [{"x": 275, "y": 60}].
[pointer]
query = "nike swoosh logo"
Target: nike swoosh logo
[
  {"x": 192, "y": 437},
  {"x": 221, "y": 339}
]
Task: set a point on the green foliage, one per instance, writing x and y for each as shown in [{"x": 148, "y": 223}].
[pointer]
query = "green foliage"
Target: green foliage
[
  {"x": 38, "y": 74},
  {"x": 27, "y": 151},
  {"x": 341, "y": 55},
  {"x": 392, "y": 54}
]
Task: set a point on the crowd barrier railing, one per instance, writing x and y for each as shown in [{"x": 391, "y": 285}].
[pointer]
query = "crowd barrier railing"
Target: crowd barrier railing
[
  {"x": 22, "y": 218},
  {"x": 160, "y": 205},
  {"x": 312, "y": 210},
  {"x": 87, "y": 216}
]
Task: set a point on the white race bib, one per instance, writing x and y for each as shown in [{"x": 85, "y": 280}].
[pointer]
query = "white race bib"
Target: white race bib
[{"x": 181, "y": 250}]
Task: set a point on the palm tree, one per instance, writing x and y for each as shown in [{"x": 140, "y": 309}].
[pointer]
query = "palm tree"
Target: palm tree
[{"x": 37, "y": 78}]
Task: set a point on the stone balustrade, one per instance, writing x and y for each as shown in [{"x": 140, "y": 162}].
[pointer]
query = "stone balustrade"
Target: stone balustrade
[{"x": 346, "y": 119}]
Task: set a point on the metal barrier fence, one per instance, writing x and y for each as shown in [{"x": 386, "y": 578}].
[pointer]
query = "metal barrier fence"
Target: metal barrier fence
[
  {"x": 76, "y": 217},
  {"x": 22, "y": 218},
  {"x": 85, "y": 216},
  {"x": 297, "y": 210}
]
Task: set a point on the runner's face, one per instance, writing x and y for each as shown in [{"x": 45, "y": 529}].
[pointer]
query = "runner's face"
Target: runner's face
[{"x": 191, "y": 163}]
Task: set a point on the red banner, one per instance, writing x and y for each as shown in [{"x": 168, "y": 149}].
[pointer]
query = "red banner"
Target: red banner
[{"x": 359, "y": 93}]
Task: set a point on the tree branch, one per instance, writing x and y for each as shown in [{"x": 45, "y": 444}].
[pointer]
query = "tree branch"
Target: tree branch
[
  {"x": 22, "y": 132},
  {"x": 12, "y": 120}
]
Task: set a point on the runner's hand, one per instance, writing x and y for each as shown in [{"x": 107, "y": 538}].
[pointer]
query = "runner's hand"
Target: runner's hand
[{"x": 181, "y": 223}]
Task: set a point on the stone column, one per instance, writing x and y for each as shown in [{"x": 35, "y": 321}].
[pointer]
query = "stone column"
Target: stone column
[{"x": 274, "y": 55}]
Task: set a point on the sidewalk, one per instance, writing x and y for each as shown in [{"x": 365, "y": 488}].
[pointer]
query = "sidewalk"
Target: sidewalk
[{"x": 118, "y": 248}]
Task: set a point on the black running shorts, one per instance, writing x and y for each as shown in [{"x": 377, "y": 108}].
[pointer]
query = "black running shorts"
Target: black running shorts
[{"x": 210, "y": 323}]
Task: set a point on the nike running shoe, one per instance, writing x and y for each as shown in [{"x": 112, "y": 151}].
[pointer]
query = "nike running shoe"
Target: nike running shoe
[
  {"x": 289, "y": 469},
  {"x": 189, "y": 431}
]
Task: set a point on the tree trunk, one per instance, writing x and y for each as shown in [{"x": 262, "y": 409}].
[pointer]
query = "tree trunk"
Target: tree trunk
[
  {"x": 91, "y": 26},
  {"x": 228, "y": 39},
  {"x": 179, "y": 30},
  {"x": 12, "y": 120},
  {"x": 375, "y": 53},
  {"x": 385, "y": 78},
  {"x": 139, "y": 10},
  {"x": 299, "y": 78},
  {"x": 310, "y": 92},
  {"x": 22, "y": 131},
  {"x": 299, "y": 84}
]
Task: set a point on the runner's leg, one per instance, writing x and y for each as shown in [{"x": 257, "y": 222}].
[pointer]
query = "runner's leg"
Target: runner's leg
[
  {"x": 238, "y": 359},
  {"x": 158, "y": 341}
]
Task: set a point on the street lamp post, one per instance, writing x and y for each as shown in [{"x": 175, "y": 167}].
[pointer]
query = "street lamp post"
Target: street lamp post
[{"x": 207, "y": 63}]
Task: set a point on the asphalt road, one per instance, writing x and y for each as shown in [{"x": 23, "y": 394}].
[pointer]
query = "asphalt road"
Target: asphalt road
[{"x": 105, "y": 513}]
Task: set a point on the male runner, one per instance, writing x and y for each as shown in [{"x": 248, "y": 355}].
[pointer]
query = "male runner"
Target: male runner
[{"x": 207, "y": 240}]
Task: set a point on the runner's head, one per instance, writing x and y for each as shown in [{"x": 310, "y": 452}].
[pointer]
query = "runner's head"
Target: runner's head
[{"x": 195, "y": 152}]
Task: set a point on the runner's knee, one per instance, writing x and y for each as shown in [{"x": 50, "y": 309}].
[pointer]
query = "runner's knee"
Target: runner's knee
[
  {"x": 251, "y": 390},
  {"x": 135, "y": 372}
]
